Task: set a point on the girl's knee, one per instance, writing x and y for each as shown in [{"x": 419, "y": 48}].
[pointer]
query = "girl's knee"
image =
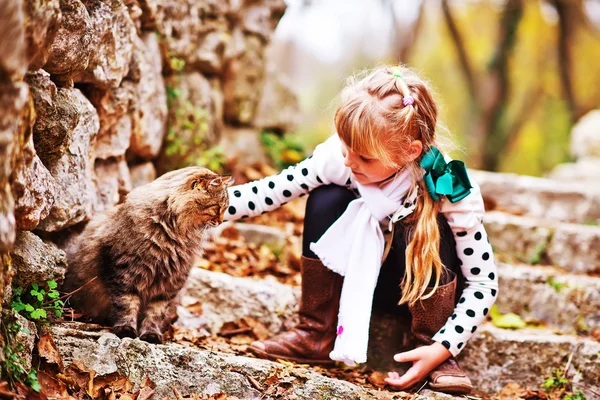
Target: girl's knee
[{"x": 328, "y": 200}]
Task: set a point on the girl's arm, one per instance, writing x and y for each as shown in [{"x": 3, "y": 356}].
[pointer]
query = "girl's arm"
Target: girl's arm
[
  {"x": 324, "y": 167},
  {"x": 477, "y": 265}
]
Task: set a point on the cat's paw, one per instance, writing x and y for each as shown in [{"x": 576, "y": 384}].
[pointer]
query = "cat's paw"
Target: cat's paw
[
  {"x": 152, "y": 337},
  {"x": 125, "y": 331}
]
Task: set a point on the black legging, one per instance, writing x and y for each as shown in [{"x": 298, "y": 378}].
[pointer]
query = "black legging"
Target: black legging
[{"x": 327, "y": 203}]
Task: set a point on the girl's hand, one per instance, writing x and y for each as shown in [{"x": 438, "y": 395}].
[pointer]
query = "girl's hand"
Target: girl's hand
[{"x": 424, "y": 360}]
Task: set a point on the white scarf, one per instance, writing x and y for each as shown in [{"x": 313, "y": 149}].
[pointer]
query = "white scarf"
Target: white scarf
[{"x": 353, "y": 247}]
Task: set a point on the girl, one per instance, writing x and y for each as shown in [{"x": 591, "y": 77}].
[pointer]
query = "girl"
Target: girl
[{"x": 389, "y": 223}]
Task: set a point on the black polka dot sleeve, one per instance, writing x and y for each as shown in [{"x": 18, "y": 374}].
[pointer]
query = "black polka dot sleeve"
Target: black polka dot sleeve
[
  {"x": 325, "y": 166},
  {"x": 477, "y": 265}
]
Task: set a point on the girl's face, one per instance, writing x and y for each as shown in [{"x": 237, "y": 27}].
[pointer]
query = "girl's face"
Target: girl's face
[{"x": 365, "y": 169}]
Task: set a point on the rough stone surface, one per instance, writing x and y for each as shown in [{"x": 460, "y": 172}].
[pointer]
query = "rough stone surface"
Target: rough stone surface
[
  {"x": 13, "y": 62},
  {"x": 260, "y": 18},
  {"x": 200, "y": 371},
  {"x": 278, "y": 107},
  {"x": 149, "y": 103},
  {"x": 585, "y": 136},
  {"x": 196, "y": 32},
  {"x": 113, "y": 33},
  {"x": 495, "y": 357},
  {"x": 521, "y": 237},
  {"x": 112, "y": 181},
  {"x": 113, "y": 106},
  {"x": 195, "y": 119},
  {"x": 242, "y": 145},
  {"x": 576, "y": 248},
  {"x": 226, "y": 298},
  {"x": 244, "y": 74},
  {"x": 566, "y": 302},
  {"x": 35, "y": 261},
  {"x": 43, "y": 18},
  {"x": 26, "y": 337},
  {"x": 539, "y": 197},
  {"x": 142, "y": 174},
  {"x": 583, "y": 170},
  {"x": 13, "y": 104},
  {"x": 71, "y": 49},
  {"x": 66, "y": 126},
  {"x": 33, "y": 190}
]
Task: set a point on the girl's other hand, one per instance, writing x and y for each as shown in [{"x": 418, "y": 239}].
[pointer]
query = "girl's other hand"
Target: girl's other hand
[{"x": 424, "y": 359}]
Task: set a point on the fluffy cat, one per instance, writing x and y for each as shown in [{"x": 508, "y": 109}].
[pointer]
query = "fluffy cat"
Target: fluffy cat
[{"x": 133, "y": 260}]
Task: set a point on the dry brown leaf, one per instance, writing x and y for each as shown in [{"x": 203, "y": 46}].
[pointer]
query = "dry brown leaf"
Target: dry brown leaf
[
  {"x": 5, "y": 392},
  {"x": 195, "y": 308},
  {"x": 81, "y": 376},
  {"x": 52, "y": 387},
  {"x": 377, "y": 378},
  {"x": 114, "y": 382},
  {"x": 48, "y": 351}
]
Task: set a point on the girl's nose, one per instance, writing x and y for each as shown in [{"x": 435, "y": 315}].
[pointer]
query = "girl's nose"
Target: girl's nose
[{"x": 348, "y": 162}]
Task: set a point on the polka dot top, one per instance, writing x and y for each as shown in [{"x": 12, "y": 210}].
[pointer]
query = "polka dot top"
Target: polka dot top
[{"x": 326, "y": 166}]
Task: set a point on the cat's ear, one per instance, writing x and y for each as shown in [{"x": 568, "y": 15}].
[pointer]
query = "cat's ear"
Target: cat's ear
[{"x": 221, "y": 182}]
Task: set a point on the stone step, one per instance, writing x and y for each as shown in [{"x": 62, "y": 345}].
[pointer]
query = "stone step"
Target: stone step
[
  {"x": 539, "y": 197},
  {"x": 565, "y": 302},
  {"x": 533, "y": 359},
  {"x": 573, "y": 247},
  {"x": 191, "y": 370}
]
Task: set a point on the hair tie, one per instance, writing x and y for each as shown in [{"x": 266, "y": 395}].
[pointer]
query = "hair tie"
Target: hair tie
[{"x": 407, "y": 99}]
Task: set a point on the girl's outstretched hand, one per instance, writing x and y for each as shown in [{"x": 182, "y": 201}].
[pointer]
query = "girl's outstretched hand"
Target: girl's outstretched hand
[{"x": 424, "y": 359}]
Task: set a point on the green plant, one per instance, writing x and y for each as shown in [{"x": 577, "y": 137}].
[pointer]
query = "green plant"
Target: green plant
[
  {"x": 14, "y": 368},
  {"x": 213, "y": 159},
  {"x": 284, "y": 150},
  {"x": 539, "y": 253},
  {"x": 558, "y": 383},
  {"x": 35, "y": 303},
  {"x": 558, "y": 286}
]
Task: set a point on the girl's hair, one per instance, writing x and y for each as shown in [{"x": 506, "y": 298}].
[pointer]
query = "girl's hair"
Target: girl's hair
[{"x": 374, "y": 121}]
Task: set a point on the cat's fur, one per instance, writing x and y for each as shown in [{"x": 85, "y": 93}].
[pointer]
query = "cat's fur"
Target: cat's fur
[{"x": 141, "y": 251}]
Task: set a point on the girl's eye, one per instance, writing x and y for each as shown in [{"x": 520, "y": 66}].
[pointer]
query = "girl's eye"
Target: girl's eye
[{"x": 366, "y": 159}]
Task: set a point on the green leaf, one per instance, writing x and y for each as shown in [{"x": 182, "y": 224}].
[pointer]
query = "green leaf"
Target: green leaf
[
  {"x": 33, "y": 381},
  {"x": 38, "y": 314},
  {"x": 53, "y": 294},
  {"x": 17, "y": 306},
  {"x": 52, "y": 284},
  {"x": 507, "y": 321},
  {"x": 35, "y": 286},
  {"x": 29, "y": 308}
]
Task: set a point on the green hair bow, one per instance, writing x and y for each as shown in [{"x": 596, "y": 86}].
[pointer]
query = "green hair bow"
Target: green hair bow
[{"x": 442, "y": 178}]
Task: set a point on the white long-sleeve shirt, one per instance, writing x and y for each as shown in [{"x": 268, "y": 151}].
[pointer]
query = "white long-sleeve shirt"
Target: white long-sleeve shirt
[{"x": 325, "y": 167}]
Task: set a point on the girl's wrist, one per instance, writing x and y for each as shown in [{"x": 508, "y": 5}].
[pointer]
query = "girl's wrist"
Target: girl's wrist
[{"x": 441, "y": 350}]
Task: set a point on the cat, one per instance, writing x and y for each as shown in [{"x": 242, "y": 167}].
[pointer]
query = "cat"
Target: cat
[{"x": 131, "y": 261}]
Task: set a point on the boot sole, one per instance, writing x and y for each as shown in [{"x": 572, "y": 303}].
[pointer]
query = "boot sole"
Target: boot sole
[
  {"x": 263, "y": 354},
  {"x": 452, "y": 389}
]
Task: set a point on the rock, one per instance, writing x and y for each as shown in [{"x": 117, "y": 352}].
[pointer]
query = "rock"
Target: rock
[
  {"x": 113, "y": 33},
  {"x": 521, "y": 237},
  {"x": 149, "y": 103},
  {"x": 195, "y": 32},
  {"x": 72, "y": 47},
  {"x": 260, "y": 18},
  {"x": 13, "y": 63},
  {"x": 33, "y": 190},
  {"x": 278, "y": 107},
  {"x": 495, "y": 357},
  {"x": 243, "y": 146},
  {"x": 243, "y": 76},
  {"x": 43, "y": 19},
  {"x": 262, "y": 234},
  {"x": 113, "y": 106},
  {"x": 13, "y": 103},
  {"x": 191, "y": 370},
  {"x": 112, "y": 181},
  {"x": 566, "y": 302},
  {"x": 576, "y": 248},
  {"x": 585, "y": 169},
  {"x": 195, "y": 120},
  {"x": 142, "y": 174},
  {"x": 26, "y": 337},
  {"x": 539, "y": 197},
  {"x": 585, "y": 136},
  {"x": 35, "y": 261},
  {"x": 135, "y": 13},
  {"x": 225, "y": 299},
  {"x": 66, "y": 125}
]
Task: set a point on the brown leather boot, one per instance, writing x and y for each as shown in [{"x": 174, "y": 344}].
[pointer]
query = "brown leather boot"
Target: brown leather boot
[
  {"x": 311, "y": 341},
  {"x": 429, "y": 316}
]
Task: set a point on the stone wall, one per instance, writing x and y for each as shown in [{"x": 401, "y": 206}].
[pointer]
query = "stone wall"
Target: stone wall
[{"x": 96, "y": 94}]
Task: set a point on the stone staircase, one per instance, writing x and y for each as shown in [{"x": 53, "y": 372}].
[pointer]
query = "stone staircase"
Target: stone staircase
[{"x": 548, "y": 241}]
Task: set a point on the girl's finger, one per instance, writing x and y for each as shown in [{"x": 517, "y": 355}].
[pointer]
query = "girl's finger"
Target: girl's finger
[{"x": 407, "y": 356}]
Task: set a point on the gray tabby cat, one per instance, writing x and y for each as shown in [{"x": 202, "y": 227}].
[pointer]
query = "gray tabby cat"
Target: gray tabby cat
[{"x": 141, "y": 251}]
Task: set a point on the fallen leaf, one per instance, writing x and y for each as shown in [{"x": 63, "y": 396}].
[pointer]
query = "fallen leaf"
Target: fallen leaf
[
  {"x": 377, "y": 378},
  {"x": 81, "y": 376},
  {"x": 507, "y": 321},
  {"x": 52, "y": 387},
  {"x": 48, "y": 351},
  {"x": 5, "y": 392}
]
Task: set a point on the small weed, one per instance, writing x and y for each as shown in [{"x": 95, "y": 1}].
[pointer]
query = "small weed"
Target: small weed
[
  {"x": 539, "y": 253},
  {"x": 283, "y": 150},
  {"x": 35, "y": 303},
  {"x": 558, "y": 286}
]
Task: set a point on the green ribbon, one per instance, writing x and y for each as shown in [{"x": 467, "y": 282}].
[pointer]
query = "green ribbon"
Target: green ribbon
[{"x": 448, "y": 179}]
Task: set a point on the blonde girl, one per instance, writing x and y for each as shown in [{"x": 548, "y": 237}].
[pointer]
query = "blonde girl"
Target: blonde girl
[{"x": 390, "y": 223}]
